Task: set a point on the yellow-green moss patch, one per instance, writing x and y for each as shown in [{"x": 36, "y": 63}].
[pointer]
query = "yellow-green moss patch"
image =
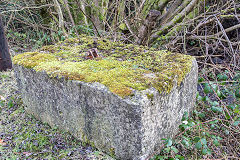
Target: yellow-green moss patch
[
  {"x": 121, "y": 67},
  {"x": 32, "y": 59}
]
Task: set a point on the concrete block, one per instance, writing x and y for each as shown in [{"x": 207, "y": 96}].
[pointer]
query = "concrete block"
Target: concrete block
[{"x": 128, "y": 127}]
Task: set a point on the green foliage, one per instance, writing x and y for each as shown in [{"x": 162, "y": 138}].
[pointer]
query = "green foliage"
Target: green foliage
[{"x": 210, "y": 124}]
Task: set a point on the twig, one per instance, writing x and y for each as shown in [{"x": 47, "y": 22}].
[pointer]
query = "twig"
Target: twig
[
  {"x": 35, "y": 25},
  {"x": 91, "y": 21},
  {"x": 23, "y": 8},
  {"x": 60, "y": 17},
  {"x": 70, "y": 16},
  {"x": 130, "y": 29}
]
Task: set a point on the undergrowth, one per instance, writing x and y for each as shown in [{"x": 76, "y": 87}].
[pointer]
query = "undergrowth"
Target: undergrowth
[{"x": 212, "y": 130}]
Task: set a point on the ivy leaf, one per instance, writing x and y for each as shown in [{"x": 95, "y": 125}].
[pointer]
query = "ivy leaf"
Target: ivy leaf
[
  {"x": 219, "y": 94},
  {"x": 236, "y": 123},
  {"x": 196, "y": 139},
  {"x": 174, "y": 149},
  {"x": 169, "y": 142},
  {"x": 206, "y": 98},
  {"x": 214, "y": 87},
  {"x": 227, "y": 115},
  {"x": 63, "y": 38},
  {"x": 213, "y": 122},
  {"x": 231, "y": 106},
  {"x": 216, "y": 142},
  {"x": 179, "y": 157},
  {"x": 216, "y": 109},
  {"x": 209, "y": 152},
  {"x": 198, "y": 145},
  {"x": 204, "y": 141},
  {"x": 159, "y": 158},
  {"x": 199, "y": 98},
  {"x": 237, "y": 93},
  {"x": 204, "y": 151},
  {"x": 183, "y": 127},
  {"x": 222, "y": 77},
  {"x": 201, "y": 79},
  {"x": 185, "y": 143},
  {"x": 214, "y": 103},
  {"x": 207, "y": 88},
  {"x": 167, "y": 150},
  {"x": 201, "y": 115}
]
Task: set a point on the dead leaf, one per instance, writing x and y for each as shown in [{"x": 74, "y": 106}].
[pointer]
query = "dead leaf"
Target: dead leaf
[
  {"x": 92, "y": 53},
  {"x": 2, "y": 143},
  {"x": 26, "y": 153}
]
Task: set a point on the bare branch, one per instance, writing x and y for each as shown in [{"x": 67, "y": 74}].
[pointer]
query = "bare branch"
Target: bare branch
[
  {"x": 23, "y": 8},
  {"x": 162, "y": 5},
  {"x": 60, "y": 16},
  {"x": 70, "y": 16},
  {"x": 164, "y": 18},
  {"x": 130, "y": 29},
  {"x": 91, "y": 21},
  {"x": 214, "y": 36},
  {"x": 176, "y": 19}
]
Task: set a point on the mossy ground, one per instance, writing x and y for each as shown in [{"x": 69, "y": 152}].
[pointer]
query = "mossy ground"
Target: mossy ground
[{"x": 121, "y": 67}]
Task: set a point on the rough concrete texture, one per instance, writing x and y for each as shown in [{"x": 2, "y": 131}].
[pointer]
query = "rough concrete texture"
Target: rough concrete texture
[{"x": 129, "y": 128}]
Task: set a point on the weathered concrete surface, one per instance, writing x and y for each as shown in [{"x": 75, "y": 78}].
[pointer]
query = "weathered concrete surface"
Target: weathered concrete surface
[{"x": 129, "y": 128}]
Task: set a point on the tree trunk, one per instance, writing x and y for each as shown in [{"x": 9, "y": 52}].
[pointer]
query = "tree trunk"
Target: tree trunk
[
  {"x": 147, "y": 27},
  {"x": 5, "y": 58}
]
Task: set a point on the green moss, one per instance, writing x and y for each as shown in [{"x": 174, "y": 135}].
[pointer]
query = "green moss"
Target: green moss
[
  {"x": 32, "y": 59},
  {"x": 86, "y": 141},
  {"x": 123, "y": 68},
  {"x": 150, "y": 96},
  {"x": 112, "y": 152}
]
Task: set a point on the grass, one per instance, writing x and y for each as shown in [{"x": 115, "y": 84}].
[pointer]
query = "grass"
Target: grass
[{"x": 211, "y": 131}]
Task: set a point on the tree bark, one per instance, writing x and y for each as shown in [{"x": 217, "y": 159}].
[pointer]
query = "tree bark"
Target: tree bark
[
  {"x": 95, "y": 16},
  {"x": 60, "y": 17},
  {"x": 147, "y": 27},
  {"x": 5, "y": 58}
]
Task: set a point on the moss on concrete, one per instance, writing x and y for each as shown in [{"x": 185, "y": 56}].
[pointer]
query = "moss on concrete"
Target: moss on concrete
[
  {"x": 32, "y": 59},
  {"x": 123, "y": 68}
]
